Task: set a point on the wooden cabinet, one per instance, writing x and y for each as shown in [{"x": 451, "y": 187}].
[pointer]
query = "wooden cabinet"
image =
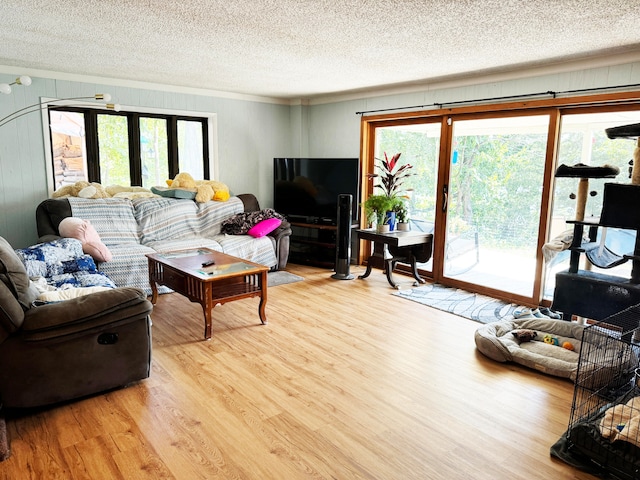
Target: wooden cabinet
[{"x": 315, "y": 244}]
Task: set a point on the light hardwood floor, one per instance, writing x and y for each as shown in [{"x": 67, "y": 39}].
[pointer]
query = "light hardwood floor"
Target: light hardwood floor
[{"x": 347, "y": 381}]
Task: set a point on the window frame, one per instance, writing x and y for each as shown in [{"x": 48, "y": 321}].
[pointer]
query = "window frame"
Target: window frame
[{"x": 133, "y": 114}]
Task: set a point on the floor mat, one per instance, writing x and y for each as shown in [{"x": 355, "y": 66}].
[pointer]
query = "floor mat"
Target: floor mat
[{"x": 473, "y": 306}]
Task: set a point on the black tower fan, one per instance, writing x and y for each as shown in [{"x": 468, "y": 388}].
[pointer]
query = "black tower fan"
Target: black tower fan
[{"x": 343, "y": 240}]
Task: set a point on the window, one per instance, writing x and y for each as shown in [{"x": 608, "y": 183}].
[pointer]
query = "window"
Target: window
[{"x": 126, "y": 148}]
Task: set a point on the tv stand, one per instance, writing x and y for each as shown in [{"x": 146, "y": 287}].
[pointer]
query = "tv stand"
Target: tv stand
[{"x": 315, "y": 243}]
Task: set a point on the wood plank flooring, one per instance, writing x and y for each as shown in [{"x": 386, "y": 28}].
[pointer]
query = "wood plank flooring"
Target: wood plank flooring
[{"x": 346, "y": 381}]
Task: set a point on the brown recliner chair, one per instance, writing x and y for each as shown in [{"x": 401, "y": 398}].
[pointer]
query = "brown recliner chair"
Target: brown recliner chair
[{"x": 69, "y": 349}]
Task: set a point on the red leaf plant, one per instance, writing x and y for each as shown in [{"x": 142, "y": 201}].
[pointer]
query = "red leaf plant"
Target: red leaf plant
[{"x": 391, "y": 182}]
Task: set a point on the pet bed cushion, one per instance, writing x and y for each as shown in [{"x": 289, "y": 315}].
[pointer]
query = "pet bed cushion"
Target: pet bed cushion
[{"x": 496, "y": 341}]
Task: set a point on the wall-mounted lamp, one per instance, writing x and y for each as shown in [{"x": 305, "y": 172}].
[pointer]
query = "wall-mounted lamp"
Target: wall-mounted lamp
[
  {"x": 21, "y": 80},
  {"x": 105, "y": 97}
]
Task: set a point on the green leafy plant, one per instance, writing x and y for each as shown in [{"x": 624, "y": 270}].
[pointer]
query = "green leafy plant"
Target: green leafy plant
[
  {"x": 391, "y": 179},
  {"x": 400, "y": 207},
  {"x": 377, "y": 206}
]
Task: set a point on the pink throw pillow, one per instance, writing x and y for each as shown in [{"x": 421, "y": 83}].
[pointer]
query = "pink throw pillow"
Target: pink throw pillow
[
  {"x": 72, "y": 227},
  {"x": 264, "y": 227}
]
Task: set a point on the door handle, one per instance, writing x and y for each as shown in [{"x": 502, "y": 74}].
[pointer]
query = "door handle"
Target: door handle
[{"x": 445, "y": 197}]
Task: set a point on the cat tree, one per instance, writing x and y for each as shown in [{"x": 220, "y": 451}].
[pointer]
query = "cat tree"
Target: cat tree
[{"x": 590, "y": 294}]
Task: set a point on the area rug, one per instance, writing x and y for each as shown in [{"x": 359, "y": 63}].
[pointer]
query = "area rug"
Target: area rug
[
  {"x": 473, "y": 306},
  {"x": 280, "y": 277}
]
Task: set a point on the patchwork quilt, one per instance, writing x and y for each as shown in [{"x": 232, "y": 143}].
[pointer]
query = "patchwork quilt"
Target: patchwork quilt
[{"x": 62, "y": 264}]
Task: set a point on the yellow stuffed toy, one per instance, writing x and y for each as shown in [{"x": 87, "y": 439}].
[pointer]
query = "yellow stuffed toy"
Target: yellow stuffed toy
[{"x": 206, "y": 190}]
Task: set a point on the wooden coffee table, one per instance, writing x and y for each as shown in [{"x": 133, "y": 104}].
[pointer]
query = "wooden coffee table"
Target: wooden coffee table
[{"x": 226, "y": 279}]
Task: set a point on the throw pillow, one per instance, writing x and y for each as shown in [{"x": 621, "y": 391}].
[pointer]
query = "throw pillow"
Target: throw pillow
[
  {"x": 264, "y": 227},
  {"x": 72, "y": 227}
]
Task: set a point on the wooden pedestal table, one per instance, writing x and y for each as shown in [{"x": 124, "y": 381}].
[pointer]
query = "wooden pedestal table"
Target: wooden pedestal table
[
  {"x": 210, "y": 278},
  {"x": 397, "y": 247}
]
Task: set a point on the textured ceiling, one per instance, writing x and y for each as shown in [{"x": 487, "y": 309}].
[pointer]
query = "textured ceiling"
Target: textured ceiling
[{"x": 308, "y": 48}]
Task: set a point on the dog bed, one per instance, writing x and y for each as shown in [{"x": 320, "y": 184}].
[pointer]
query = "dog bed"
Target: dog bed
[{"x": 498, "y": 342}]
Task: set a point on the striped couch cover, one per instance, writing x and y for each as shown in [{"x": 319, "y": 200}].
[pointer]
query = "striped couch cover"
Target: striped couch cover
[{"x": 132, "y": 228}]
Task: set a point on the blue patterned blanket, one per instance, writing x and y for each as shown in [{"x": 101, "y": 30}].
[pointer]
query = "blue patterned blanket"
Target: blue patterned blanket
[{"x": 63, "y": 264}]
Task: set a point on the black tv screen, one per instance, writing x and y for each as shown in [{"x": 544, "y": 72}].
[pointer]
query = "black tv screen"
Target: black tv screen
[{"x": 307, "y": 189}]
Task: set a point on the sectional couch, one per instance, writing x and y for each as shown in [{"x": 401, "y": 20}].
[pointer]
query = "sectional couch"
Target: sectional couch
[{"x": 131, "y": 228}]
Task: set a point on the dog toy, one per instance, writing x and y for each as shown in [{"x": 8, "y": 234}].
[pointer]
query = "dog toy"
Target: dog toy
[
  {"x": 524, "y": 334},
  {"x": 551, "y": 340}
]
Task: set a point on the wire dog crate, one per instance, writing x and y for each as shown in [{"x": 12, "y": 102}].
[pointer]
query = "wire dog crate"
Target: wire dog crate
[{"x": 604, "y": 428}]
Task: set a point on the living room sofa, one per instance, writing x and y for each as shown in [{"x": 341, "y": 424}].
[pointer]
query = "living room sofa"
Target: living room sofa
[{"x": 131, "y": 228}]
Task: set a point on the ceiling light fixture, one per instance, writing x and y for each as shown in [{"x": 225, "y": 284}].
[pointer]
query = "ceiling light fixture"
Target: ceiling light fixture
[
  {"x": 21, "y": 80},
  {"x": 105, "y": 97}
]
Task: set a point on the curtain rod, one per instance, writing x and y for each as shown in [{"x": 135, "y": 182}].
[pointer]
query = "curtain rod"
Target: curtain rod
[{"x": 493, "y": 99}]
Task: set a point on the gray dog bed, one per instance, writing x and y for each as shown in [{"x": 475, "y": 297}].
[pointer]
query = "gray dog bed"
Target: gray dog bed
[{"x": 496, "y": 341}]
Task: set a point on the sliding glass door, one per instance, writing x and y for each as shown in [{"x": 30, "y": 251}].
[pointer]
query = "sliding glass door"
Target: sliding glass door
[
  {"x": 485, "y": 186},
  {"x": 494, "y": 195}
]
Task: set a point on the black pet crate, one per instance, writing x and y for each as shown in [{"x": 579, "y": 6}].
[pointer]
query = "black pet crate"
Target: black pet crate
[{"x": 604, "y": 429}]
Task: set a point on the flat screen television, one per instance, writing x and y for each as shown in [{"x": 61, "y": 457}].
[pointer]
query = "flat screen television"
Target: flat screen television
[{"x": 307, "y": 189}]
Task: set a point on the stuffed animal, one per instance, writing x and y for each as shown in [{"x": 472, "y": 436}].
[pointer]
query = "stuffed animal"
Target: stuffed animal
[
  {"x": 551, "y": 340},
  {"x": 94, "y": 190},
  {"x": 182, "y": 180},
  {"x": 73, "y": 227},
  {"x": 81, "y": 189},
  {"x": 120, "y": 191},
  {"x": 219, "y": 191},
  {"x": 70, "y": 190},
  {"x": 524, "y": 334},
  {"x": 206, "y": 190}
]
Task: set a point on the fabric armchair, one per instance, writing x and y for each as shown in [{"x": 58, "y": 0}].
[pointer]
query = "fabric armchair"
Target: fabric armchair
[{"x": 68, "y": 349}]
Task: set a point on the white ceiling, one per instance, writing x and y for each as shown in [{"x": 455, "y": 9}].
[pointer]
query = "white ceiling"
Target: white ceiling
[{"x": 304, "y": 49}]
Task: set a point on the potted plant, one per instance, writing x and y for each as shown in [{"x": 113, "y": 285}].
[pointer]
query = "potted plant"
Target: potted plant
[
  {"x": 376, "y": 208},
  {"x": 390, "y": 179},
  {"x": 402, "y": 214}
]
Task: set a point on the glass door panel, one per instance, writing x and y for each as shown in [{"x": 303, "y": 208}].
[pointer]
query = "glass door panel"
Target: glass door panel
[
  {"x": 494, "y": 201},
  {"x": 419, "y": 145},
  {"x": 583, "y": 140}
]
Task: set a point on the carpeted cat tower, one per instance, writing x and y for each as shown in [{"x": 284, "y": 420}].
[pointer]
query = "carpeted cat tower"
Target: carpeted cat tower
[{"x": 595, "y": 295}]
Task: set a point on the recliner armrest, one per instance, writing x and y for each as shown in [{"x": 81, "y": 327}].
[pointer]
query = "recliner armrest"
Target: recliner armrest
[{"x": 81, "y": 314}]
